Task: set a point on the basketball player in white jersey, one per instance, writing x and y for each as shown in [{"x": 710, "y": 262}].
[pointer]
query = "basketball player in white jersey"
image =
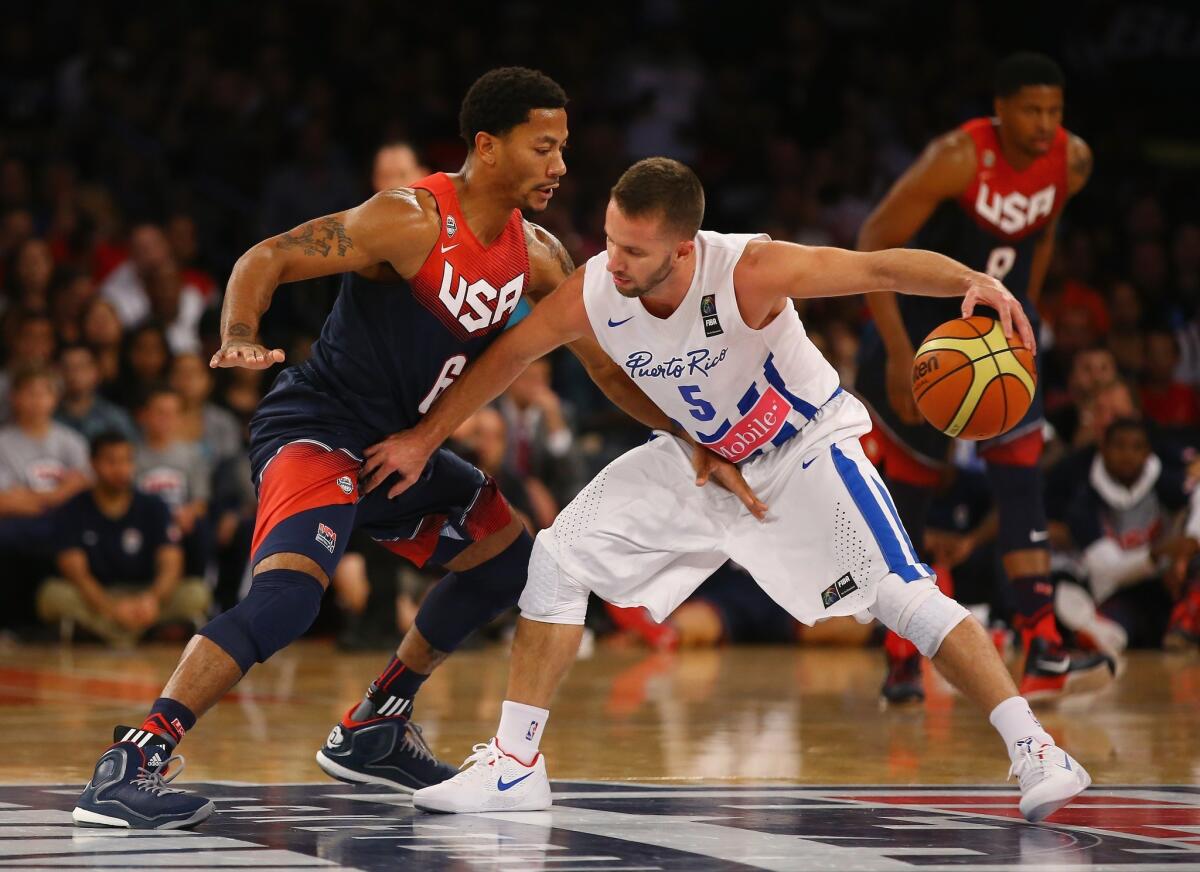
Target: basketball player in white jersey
[{"x": 704, "y": 325}]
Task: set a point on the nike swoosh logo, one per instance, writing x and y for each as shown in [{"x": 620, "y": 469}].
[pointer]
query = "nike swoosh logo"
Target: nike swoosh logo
[
  {"x": 1039, "y": 535},
  {"x": 612, "y": 323},
  {"x": 808, "y": 463},
  {"x": 1066, "y": 765},
  {"x": 446, "y": 248},
  {"x": 1054, "y": 665},
  {"x": 500, "y": 783}
]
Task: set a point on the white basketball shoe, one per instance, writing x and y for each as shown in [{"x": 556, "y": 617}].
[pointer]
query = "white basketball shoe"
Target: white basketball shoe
[
  {"x": 1049, "y": 778},
  {"x": 489, "y": 780}
]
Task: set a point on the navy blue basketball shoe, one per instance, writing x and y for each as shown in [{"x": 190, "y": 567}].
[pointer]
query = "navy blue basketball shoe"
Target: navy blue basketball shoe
[
  {"x": 387, "y": 750},
  {"x": 129, "y": 787}
]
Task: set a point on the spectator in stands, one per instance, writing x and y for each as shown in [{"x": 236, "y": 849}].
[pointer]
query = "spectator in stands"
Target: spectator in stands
[
  {"x": 70, "y": 296},
  {"x": 102, "y": 333},
  {"x": 30, "y": 343},
  {"x": 32, "y": 275},
  {"x": 1166, "y": 402},
  {"x": 82, "y": 408},
  {"x": 174, "y": 469},
  {"x": 42, "y": 465},
  {"x": 145, "y": 362},
  {"x": 216, "y": 430},
  {"x": 483, "y": 439},
  {"x": 1121, "y": 520},
  {"x": 396, "y": 166},
  {"x": 1126, "y": 340},
  {"x": 1091, "y": 369},
  {"x": 176, "y": 306},
  {"x": 118, "y": 557},
  {"x": 183, "y": 238},
  {"x": 125, "y": 287},
  {"x": 539, "y": 441}
]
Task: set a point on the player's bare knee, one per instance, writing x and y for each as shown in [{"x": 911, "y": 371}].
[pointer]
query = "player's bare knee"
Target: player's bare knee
[
  {"x": 918, "y": 611},
  {"x": 292, "y": 561}
]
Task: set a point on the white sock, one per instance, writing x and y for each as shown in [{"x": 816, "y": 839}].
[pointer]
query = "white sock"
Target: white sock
[
  {"x": 520, "y": 730},
  {"x": 1014, "y": 720}
]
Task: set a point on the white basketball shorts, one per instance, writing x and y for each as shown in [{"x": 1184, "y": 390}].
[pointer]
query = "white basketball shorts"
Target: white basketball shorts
[{"x": 643, "y": 534}]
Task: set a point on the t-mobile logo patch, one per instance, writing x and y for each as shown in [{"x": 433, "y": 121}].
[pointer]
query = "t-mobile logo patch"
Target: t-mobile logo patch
[{"x": 532, "y": 731}]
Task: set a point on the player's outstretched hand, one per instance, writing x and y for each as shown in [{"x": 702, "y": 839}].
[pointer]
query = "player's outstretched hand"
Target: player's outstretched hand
[
  {"x": 248, "y": 355},
  {"x": 987, "y": 291},
  {"x": 709, "y": 465},
  {"x": 403, "y": 453}
]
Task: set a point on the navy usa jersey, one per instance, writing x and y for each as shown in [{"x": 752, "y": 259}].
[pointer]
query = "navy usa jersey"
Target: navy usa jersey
[{"x": 388, "y": 348}]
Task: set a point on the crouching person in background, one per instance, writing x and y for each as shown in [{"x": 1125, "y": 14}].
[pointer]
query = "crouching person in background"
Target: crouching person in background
[
  {"x": 119, "y": 558},
  {"x": 1127, "y": 521}
]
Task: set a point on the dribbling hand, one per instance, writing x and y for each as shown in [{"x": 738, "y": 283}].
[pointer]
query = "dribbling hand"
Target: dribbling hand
[
  {"x": 248, "y": 355},
  {"x": 987, "y": 291}
]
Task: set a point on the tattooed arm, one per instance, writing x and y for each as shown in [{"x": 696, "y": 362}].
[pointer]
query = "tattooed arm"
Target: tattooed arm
[{"x": 395, "y": 227}]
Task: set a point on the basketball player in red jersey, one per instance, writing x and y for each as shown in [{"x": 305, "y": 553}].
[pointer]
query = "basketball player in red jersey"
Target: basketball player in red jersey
[
  {"x": 988, "y": 194},
  {"x": 432, "y": 274}
]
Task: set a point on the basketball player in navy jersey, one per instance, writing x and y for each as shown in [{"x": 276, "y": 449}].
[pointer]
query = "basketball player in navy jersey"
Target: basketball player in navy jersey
[
  {"x": 432, "y": 274},
  {"x": 988, "y": 194}
]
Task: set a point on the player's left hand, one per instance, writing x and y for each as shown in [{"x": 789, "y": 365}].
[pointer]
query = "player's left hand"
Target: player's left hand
[
  {"x": 404, "y": 453},
  {"x": 709, "y": 465},
  {"x": 987, "y": 291}
]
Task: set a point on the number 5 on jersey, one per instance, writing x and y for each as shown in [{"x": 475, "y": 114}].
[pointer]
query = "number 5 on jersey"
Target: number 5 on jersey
[
  {"x": 451, "y": 370},
  {"x": 704, "y": 410}
]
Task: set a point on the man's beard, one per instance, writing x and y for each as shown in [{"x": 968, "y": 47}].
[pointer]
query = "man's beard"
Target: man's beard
[{"x": 660, "y": 275}]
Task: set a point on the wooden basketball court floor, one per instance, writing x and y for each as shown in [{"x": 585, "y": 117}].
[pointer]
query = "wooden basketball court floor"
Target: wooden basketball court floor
[{"x": 739, "y": 758}]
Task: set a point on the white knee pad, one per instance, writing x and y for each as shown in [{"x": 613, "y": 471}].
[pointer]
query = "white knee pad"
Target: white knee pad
[
  {"x": 918, "y": 611},
  {"x": 551, "y": 596}
]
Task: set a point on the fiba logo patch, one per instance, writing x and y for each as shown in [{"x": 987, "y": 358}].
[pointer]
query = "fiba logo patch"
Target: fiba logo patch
[
  {"x": 326, "y": 537},
  {"x": 346, "y": 484},
  {"x": 451, "y": 226},
  {"x": 708, "y": 312},
  {"x": 844, "y": 586}
]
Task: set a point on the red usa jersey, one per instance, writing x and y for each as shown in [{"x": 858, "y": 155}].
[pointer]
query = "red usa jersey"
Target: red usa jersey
[
  {"x": 1007, "y": 202},
  {"x": 470, "y": 287}
]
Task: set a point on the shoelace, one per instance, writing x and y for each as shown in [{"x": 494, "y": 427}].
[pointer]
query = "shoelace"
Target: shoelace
[
  {"x": 153, "y": 781},
  {"x": 1029, "y": 766},
  {"x": 414, "y": 740},
  {"x": 482, "y": 754}
]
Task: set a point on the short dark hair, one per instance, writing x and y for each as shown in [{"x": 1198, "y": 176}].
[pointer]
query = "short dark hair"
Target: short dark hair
[
  {"x": 152, "y": 391},
  {"x": 76, "y": 346},
  {"x": 502, "y": 98},
  {"x": 31, "y": 372},
  {"x": 664, "y": 186},
  {"x": 1023, "y": 69},
  {"x": 105, "y": 438},
  {"x": 1125, "y": 425}
]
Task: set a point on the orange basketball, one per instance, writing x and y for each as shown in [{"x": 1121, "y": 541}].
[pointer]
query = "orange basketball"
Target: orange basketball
[{"x": 971, "y": 381}]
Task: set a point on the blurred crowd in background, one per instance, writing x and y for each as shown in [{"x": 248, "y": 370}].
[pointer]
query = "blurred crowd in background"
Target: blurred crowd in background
[{"x": 142, "y": 151}]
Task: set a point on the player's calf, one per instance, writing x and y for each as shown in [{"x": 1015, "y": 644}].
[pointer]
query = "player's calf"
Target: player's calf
[
  {"x": 376, "y": 742},
  {"x": 943, "y": 630}
]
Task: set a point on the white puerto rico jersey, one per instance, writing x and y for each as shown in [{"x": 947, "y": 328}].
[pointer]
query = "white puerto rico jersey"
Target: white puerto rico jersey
[{"x": 737, "y": 390}]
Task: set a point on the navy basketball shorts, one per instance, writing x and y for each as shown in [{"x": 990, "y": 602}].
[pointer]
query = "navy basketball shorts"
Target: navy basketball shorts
[{"x": 310, "y": 502}]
